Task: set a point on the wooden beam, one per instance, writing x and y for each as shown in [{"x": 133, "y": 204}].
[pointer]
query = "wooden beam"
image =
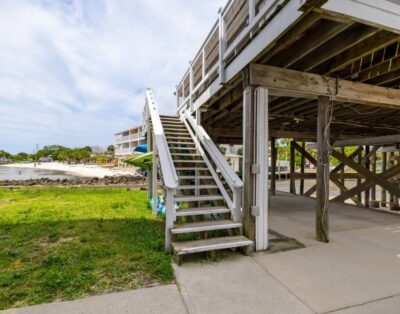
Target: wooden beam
[
  {"x": 336, "y": 176},
  {"x": 376, "y": 140},
  {"x": 308, "y": 136},
  {"x": 308, "y": 83},
  {"x": 322, "y": 201}
]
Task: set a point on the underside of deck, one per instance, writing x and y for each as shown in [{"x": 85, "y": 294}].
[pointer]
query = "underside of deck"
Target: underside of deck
[{"x": 327, "y": 44}]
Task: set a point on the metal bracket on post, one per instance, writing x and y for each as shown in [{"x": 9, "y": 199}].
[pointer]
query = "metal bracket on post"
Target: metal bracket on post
[
  {"x": 255, "y": 211},
  {"x": 255, "y": 169}
]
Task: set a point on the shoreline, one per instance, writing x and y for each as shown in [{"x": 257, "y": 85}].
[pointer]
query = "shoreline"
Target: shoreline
[{"x": 78, "y": 170}]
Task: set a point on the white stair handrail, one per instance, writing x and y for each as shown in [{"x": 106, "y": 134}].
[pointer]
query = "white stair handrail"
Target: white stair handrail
[
  {"x": 166, "y": 163},
  {"x": 227, "y": 172},
  {"x": 167, "y": 167},
  {"x": 202, "y": 139}
]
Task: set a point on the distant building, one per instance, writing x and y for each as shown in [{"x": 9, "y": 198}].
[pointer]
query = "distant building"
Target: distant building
[
  {"x": 5, "y": 159},
  {"x": 232, "y": 155},
  {"x": 126, "y": 141},
  {"x": 98, "y": 150}
]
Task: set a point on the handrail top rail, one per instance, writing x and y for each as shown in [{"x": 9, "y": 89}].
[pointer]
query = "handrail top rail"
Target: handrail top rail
[
  {"x": 229, "y": 174},
  {"x": 167, "y": 165}
]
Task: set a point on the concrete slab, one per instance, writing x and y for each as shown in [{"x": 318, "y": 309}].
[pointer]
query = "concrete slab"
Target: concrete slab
[
  {"x": 235, "y": 285},
  {"x": 294, "y": 216},
  {"x": 163, "y": 299},
  {"x": 357, "y": 267},
  {"x": 386, "y": 306}
]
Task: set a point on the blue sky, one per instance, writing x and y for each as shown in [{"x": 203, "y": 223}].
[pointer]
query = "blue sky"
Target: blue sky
[{"x": 74, "y": 72}]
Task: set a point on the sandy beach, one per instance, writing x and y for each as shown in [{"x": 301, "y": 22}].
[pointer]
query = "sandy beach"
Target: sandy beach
[{"x": 76, "y": 170}]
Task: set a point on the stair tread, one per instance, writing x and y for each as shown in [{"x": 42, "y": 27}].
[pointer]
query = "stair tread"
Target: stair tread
[
  {"x": 194, "y": 177},
  {"x": 185, "y": 154},
  {"x": 192, "y": 211},
  {"x": 189, "y": 161},
  {"x": 190, "y": 168},
  {"x": 184, "y": 143},
  {"x": 196, "y": 198},
  {"x": 210, "y": 244},
  {"x": 200, "y": 186},
  {"x": 201, "y": 226}
]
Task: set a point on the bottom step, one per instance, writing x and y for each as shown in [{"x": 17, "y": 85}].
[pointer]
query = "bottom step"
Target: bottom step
[{"x": 211, "y": 244}]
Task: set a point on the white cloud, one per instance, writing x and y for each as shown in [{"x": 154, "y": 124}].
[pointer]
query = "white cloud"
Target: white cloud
[{"x": 74, "y": 72}]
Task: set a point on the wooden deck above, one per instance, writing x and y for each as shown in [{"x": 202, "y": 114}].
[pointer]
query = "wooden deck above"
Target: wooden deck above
[{"x": 331, "y": 38}]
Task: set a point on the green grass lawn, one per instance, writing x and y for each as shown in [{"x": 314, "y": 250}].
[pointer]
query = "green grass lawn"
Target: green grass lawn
[{"x": 65, "y": 243}]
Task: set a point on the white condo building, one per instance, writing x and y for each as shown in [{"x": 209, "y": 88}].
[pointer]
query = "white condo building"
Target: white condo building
[{"x": 126, "y": 141}]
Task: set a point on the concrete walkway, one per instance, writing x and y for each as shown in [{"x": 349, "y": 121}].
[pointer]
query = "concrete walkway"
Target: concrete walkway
[
  {"x": 163, "y": 299},
  {"x": 357, "y": 272}
]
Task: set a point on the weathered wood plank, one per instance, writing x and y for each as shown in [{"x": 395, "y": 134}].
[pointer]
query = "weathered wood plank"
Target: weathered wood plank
[{"x": 308, "y": 83}]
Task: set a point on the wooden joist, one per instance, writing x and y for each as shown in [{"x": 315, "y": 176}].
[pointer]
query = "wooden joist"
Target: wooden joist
[{"x": 278, "y": 79}]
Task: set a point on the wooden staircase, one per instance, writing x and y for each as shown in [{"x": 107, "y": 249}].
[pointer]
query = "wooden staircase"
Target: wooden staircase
[{"x": 204, "y": 222}]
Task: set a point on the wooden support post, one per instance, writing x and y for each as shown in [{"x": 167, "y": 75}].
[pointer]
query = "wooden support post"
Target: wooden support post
[
  {"x": 322, "y": 201},
  {"x": 373, "y": 165},
  {"x": 273, "y": 165},
  {"x": 383, "y": 191},
  {"x": 292, "y": 168},
  {"x": 391, "y": 163},
  {"x": 396, "y": 197},
  {"x": 359, "y": 159},
  {"x": 343, "y": 170},
  {"x": 248, "y": 159},
  {"x": 302, "y": 161},
  {"x": 367, "y": 166}
]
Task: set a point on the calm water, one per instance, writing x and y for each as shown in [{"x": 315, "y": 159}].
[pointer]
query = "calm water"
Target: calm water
[{"x": 15, "y": 173}]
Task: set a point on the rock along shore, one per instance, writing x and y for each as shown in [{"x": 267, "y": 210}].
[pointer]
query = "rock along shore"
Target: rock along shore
[{"x": 107, "y": 180}]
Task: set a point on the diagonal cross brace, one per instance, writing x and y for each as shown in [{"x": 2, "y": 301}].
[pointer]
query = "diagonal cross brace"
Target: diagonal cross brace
[{"x": 371, "y": 178}]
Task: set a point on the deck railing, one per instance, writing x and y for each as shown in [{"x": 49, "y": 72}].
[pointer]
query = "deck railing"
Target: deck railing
[{"x": 238, "y": 23}]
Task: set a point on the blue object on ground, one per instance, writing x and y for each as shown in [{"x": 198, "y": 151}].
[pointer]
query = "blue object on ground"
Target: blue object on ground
[
  {"x": 160, "y": 204},
  {"x": 141, "y": 148}
]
